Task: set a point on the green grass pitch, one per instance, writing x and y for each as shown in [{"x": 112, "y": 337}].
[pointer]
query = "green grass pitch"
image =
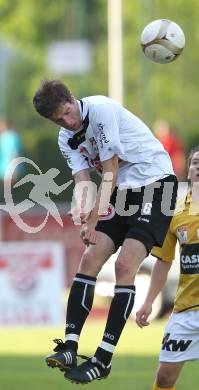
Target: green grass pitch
[{"x": 22, "y": 365}]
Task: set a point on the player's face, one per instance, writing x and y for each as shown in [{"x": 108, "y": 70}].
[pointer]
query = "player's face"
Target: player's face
[
  {"x": 194, "y": 168},
  {"x": 68, "y": 116}
]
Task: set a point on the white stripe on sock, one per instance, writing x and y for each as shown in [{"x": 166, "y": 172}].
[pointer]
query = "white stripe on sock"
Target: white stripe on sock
[
  {"x": 81, "y": 280},
  {"x": 72, "y": 337},
  {"x": 84, "y": 297},
  {"x": 108, "y": 347},
  {"x": 127, "y": 306},
  {"x": 123, "y": 290}
]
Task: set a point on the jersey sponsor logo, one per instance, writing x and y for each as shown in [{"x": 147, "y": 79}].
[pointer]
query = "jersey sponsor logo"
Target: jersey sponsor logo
[
  {"x": 182, "y": 234},
  {"x": 189, "y": 259},
  {"x": 102, "y": 136},
  {"x": 173, "y": 345}
]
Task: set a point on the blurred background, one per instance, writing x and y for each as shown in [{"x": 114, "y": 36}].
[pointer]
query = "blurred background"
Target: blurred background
[{"x": 94, "y": 47}]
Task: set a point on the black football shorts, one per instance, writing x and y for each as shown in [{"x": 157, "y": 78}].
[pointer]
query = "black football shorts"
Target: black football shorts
[{"x": 143, "y": 213}]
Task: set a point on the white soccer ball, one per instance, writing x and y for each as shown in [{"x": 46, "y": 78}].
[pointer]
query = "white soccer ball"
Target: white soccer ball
[{"x": 162, "y": 41}]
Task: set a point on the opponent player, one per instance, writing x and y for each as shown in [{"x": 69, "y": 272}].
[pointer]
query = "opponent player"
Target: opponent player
[
  {"x": 181, "y": 338},
  {"x": 136, "y": 170}
]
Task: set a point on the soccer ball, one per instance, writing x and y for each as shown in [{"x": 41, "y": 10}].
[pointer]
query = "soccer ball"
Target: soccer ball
[{"x": 162, "y": 41}]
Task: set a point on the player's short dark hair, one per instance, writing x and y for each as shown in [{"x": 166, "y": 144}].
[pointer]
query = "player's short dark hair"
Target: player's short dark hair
[
  {"x": 192, "y": 152},
  {"x": 49, "y": 96}
]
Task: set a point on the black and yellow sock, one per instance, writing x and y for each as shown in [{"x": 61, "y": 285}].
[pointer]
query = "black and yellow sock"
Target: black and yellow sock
[{"x": 156, "y": 387}]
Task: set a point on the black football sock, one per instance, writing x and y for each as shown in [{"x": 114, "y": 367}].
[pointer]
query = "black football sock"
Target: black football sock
[
  {"x": 80, "y": 302},
  {"x": 120, "y": 309}
]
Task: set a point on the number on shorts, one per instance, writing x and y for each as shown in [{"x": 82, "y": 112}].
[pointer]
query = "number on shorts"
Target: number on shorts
[{"x": 147, "y": 208}]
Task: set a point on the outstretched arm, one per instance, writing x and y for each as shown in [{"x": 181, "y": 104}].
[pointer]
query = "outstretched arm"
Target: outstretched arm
[{"x": 158, "y": 279}]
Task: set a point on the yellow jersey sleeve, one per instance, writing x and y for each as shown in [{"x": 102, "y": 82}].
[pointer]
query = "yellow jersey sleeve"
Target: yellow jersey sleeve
[{"x": 167, "y": 251}]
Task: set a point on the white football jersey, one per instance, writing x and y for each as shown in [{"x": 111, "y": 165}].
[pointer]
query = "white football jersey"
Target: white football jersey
[{"x": 113, "y": 130}]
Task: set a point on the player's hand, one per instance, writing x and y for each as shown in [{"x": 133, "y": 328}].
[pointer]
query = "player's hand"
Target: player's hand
[
  {"x": 88, "y": 233},
  {"x": 142, "y": 315},
  {"x": 78, "y": 215}
]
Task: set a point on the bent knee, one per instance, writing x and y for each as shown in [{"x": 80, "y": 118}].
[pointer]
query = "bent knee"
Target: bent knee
[
  {"x": 123, "y": 271},
  {"x": 91, "y": 263}
]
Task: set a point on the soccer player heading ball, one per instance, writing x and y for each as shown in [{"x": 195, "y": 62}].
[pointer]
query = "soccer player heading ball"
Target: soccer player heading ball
[{"x": 138, "y": 187}]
